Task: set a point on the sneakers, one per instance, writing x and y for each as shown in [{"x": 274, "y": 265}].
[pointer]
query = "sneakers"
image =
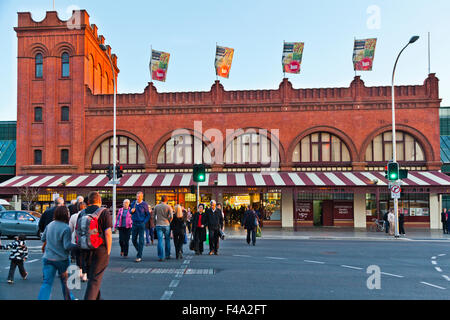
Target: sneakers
[
  {"x": 10, "y": 281},
  {"x": 211, "y": 253},
  {"x": 138, "y": 260}
]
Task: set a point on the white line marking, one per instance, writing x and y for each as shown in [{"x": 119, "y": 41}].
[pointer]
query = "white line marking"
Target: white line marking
[
  {"x": 438, "y": 269},
  {"x": 174, "y": 283},
  {"x": 446, "y": 278},
  {"x": 167, "y": 295},
  {"x": 433, "y": 258},
  {"x": 314, "y": 261},
  {"x": 433, "y": 262},
  {"x": 186, "y": 261},
  {"x": 350, "y": 267},
  {"x": 393, "y": 275},
  {"x": 442, "y": 254},
  {"x": 432, "y": 285},
  {"x": 31, "y": 261},
  {"x": 241, "y": 255},
  {"x": 276, "y": 258}
]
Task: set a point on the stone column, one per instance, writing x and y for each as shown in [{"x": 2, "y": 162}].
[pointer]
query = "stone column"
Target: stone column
[
  {"x": 359, "y": 210},
  {"x": 287, "y": 209},
  {"x": 435, "y": 211}
]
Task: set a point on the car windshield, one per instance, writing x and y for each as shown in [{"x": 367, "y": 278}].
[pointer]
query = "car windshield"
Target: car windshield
[{"x": 5, "y": 207}]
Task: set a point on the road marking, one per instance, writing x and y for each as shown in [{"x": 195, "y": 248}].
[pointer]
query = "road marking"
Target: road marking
[
  {"x": 186, "y": 261},
  {"x": 433, "y": 258},
  {"x": 438, "y": 269},
  {"x": 276, "y": 258},
  {"x": 350, "y": 267},
  {"x": 392, "y": 275},
  {"x": 311, "y": 261},
  {"x": 166, "y": 295},
  {"x": 174, "y": 283},
  {"x": 433, "y": 262},
  {"x": 31, "y": 261},
  {"x": 241, "y": 255},
  {"x": 432, "y": 285},
  {"x": 446, "y": 278},
  {"x": 441, "y": 255}
]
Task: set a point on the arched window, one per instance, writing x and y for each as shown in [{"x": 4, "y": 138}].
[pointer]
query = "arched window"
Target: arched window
[
  {"x": 65, "y": 114},
  {"x": 38, "y": 157},
  {"x": 128, "y": 152},
  {"x": 179, "y": 150},
  {"x": 252, "y": 149},
  {"x": 408, "y": 148},
  {"x": 38, "y": 114},
  {"x": 65, "y": 65},
  {"x": 321, "y": 147},
  {"x": 39, "y": 63},
  {"x": 64, "y": 156}
]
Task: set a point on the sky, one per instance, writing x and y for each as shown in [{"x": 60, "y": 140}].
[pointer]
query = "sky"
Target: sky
[{"x": 256, "y": 29}]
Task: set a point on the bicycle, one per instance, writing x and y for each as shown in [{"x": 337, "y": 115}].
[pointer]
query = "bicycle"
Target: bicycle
[{"x": 377, "y": 226}]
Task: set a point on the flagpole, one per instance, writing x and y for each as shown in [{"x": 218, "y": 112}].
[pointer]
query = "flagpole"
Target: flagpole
[
  {"x": 215, "y": 67},
  {"x": 282, "y": 65},
  {"x": 429, "y": 54},
  {"x": 354, "y": 53},
  {"x": 151, "y": 58}
]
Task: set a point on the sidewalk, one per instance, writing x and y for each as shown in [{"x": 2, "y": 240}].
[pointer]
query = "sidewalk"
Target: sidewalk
[{"x": 334, "y": 233}]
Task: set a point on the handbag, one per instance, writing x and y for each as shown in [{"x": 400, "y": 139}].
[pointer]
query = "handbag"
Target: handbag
[
  {"x": 191, "y": 244},
  {"x": 258, "y": 231}
]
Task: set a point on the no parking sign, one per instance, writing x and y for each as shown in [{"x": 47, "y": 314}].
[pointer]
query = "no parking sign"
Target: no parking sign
[{"x": 395, "y": 191}]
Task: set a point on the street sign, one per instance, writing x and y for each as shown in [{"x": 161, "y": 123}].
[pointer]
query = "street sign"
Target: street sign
[{"x": 395, "y": 191}]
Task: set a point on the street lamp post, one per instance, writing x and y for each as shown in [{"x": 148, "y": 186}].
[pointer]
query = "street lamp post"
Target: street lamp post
[
  {"x": 394, "y": 138},
  {"x": 114, "y": 181}
]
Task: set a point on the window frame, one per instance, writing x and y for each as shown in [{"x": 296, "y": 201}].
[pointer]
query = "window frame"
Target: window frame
[
  {"x": 64, "y": 108},
  {"x": 65, "y": 63},
  {"x": 61, "y": 157},
  {"x": 39, "y": 63},
  {"x": 35, "y": 114},
  {"x": 35, "y": 152}
]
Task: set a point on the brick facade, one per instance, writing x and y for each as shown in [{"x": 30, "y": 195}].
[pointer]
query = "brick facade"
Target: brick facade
[{"x": 355, "y": 114}]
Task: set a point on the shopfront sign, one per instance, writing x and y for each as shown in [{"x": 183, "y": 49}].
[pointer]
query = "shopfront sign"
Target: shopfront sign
[{"x": 303, "y": 211}]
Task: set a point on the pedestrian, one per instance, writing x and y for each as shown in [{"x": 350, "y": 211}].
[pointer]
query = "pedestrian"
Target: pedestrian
[
  {"x": 386, "y": 221},
  {"x": 215, "y": 223},
  {"x": 178, "y": 228},
  {"x": 401, "y": 223},
  {"x": 139, "y": 215},
  {"x": 444, "y": 220},
  {"x": 251, "y": 223},
  {"x": 57, "y": 245},
  {"x": 150, "y": 228},
  {"x": 199, "y": 221},
  {"x": 73, "y": 208},
  {"x": 17, "y": 257},
  {"x": 78, "y": 254},
  {"x": 391, "y": 219},
  {"x": 189, "y": 220},
  {"x": 99, "y": 257},
  {"x": 163, "y": 217},
  {"x": 124, "y": 225},
  {"x": 47, "y": 216}
]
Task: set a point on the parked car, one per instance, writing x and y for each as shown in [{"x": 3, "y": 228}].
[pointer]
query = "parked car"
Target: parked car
[
  {"x": 5, "y": 205},
  {"x": 13, "y": 223}
]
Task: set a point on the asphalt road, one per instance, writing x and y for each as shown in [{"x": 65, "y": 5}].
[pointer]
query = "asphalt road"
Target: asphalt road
[{"x": 271, "y": 270}]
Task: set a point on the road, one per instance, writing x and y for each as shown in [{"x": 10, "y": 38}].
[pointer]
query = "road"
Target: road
[{"x": 271, "y": 270}]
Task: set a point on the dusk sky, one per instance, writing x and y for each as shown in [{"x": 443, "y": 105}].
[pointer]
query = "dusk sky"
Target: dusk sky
[{"x": 189, "y": 31}]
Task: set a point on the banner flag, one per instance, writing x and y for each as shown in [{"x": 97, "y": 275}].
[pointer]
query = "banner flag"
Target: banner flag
[
  {"x": 363, "y": 54},
  {"x": 224, "y": 57},
  {"x": 159, "y": 64},
  {"x": 292, "y": 56}
]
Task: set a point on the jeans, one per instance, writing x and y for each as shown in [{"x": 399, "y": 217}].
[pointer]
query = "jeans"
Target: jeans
[
  {"x": 138, "y": 230},
  {"x": 124, "y": 240},
  {"x": 160, "y": 231},
  {"x": 251, "y": 232},
  {"x": 12, "y": 269},
  {"x": 149, "y": 235},
  {"x": 49, "y": 269}
]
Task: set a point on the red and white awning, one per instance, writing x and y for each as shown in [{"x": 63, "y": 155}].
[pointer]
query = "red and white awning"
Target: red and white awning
[{"x": 278, "y": 179}]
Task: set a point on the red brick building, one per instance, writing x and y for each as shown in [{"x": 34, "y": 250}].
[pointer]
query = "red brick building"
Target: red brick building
[{"x": 329, "y": 144}]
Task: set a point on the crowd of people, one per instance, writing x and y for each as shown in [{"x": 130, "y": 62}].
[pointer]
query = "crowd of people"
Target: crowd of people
[{"x": 67, "y": 237}]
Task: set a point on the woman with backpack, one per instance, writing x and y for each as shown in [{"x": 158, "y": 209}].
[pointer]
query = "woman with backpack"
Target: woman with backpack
[
  {"x": 57, "y": 245},
  {"x": 178, "y": 227}
]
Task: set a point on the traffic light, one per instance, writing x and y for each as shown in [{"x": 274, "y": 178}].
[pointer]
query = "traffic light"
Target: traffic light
[
  {"x": 393, "y": 171},
  {"x": 403, "y": 174},
  {"x": 199, "y": 173},
  {"x": 110, "y": 172},
  {"x": 193, "y": 189},
  {"x": 119, "y": 171}
]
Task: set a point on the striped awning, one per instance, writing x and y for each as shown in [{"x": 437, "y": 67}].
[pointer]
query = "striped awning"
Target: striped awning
[{"x": 277, "y": 179}]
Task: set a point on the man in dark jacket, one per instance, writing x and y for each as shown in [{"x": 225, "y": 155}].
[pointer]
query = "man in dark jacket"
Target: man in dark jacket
[
  {"x": 444, "y": 218},
  {"x": 215, "y": 223},
  {"x": 386, "y": 221},
  {"x": 47, "y": 216},
  {"x": 251, "y": 223},
  {"x": 73, "y": 207}
]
